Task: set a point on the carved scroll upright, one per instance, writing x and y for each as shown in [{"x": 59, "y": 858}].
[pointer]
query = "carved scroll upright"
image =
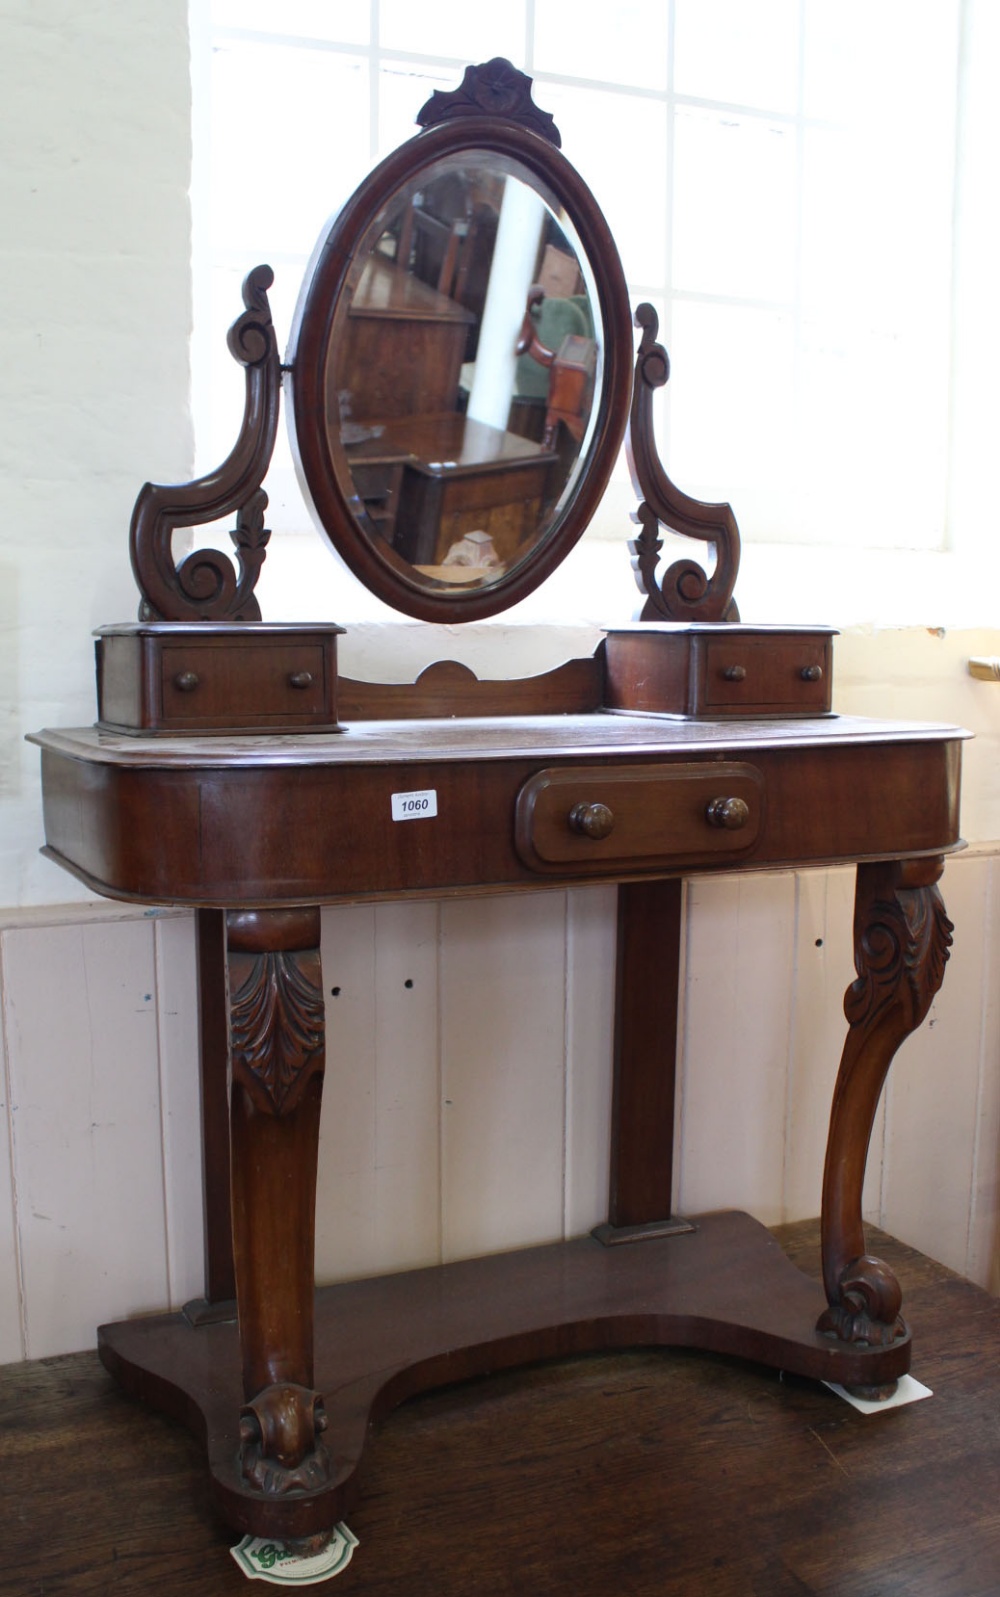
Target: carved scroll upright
[
  {"x": 205, "y": 586},
  {"x": 901, "y": 941},
  {"x": 685, "y": 592}
]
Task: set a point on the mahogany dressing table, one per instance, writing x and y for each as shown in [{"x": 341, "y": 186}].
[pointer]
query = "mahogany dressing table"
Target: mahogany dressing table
[{"x": 230, "y": 770}]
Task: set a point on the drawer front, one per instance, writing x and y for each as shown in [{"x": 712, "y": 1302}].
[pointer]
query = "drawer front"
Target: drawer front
[
  {"x": 742, "y": 675},
  {"x": 245, "y": 683},
  {"x": 622, "y": 818}
]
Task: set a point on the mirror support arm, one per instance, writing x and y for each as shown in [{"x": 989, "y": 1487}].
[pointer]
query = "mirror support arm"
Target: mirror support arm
[
  {"x": 685, "y": 592},
  {"x": 205, "y": 586}
]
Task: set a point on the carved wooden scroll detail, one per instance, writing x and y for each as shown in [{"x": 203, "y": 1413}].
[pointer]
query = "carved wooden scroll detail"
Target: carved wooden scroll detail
[
  {"x": 494, "y": 89},
  {"x": 685, "y": 592},
  {"x": 205, "y": 586},
  {"x": 280, "y": 1446},
  {"x": 276, "y": 1026},
  {"x": 901, "y": 938}
]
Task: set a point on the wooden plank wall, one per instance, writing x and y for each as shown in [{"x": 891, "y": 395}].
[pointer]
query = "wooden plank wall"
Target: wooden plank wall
[{"x": 431, "y": 1148}]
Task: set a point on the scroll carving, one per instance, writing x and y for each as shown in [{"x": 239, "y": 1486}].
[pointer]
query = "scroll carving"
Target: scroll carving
[
  {"x": 495, "y": 89},
  {"x": 685, "y": 592},
  {"x": 280, "y": 1446},
  {"x": 276, "y": 1026},
  {"x": 205, "y": 586},
  {"x": 902, "y": 937}
]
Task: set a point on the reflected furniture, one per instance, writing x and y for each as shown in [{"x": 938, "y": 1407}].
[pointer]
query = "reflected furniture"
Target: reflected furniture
[{"x": 235, "y": 770}]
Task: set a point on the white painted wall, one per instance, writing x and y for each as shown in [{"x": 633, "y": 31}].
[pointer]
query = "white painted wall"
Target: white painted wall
[{"x": 429, "y": 1149}]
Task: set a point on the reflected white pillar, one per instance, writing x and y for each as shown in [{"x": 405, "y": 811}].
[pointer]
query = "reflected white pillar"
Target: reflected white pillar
[{"x": 514, "y": 257}]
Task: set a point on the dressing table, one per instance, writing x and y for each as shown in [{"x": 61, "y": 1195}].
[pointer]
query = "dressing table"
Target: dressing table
[{"x": 233, "y": 770}]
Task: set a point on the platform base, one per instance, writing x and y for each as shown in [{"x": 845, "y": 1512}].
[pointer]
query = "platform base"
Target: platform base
[{"x": 725, "y": 1286}]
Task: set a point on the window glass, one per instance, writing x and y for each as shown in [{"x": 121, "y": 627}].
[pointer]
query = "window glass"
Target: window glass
[
  {"x": 778, "y": 176},
  {"x": 585, "y": 39},
  {"x": 743, "y": 54}
]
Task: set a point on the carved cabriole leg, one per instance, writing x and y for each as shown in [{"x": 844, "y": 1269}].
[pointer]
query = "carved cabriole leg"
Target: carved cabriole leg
[
  {"x": 901, "y": 941},
  {"x": 277, "y": 1058}
]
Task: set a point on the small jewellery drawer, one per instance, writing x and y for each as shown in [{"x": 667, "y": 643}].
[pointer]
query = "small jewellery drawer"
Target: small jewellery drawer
[
  {"x": 170, "y": 677},
  {"x": 715, "y": 670},
  {"x": 779, "y": 674},
  {"x": 587, "y": 822},
  {"x": 206, "y": 682}
]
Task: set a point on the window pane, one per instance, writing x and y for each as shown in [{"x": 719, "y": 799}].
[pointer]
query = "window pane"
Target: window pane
[
  {"x": 740, "y": 52},
  {"x": 585, "y": 39},
  {"x": 632, "y": 193},
  {"x": 403, "y": 89},
  {"x": 859, "y": 55},
  {"x": 454, "y": 29},
  {"x": 344, "y": 21},
  {"x": 273, "y": 192},
  {"x": 731, "y": 409},
  {"x": 735, "y": 211}
]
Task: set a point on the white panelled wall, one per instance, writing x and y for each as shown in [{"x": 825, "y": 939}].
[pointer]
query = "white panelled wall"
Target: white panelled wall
[{"x": 467, "y": 1096}]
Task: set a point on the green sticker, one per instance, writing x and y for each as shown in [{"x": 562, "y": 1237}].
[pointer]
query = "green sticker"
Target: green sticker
[{"x": 263, "y": 1558}]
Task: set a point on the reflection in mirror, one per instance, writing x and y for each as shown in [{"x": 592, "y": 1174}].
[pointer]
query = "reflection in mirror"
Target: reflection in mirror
[{"x": 461, "y": 371}]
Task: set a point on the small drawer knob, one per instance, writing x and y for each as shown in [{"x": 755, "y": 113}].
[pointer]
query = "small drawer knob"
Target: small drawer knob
[
  {"x": 735, "y": 673},
  {"x": 592, "y": 820},
  {"x": 811, "y": 673},
  {"x": 186, "y": 681},
  {"x": 729, "y": 813},
  {"x": 301, "y": 679}
]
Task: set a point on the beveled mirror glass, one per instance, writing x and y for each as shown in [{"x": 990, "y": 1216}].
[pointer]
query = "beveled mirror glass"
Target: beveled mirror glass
[{"x": 461, "y": 360}]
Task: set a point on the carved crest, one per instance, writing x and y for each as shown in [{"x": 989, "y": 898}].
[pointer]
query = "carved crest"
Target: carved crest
[
  {"x": 276, "y": 1019},
  {"x": 494, "y": 89}
]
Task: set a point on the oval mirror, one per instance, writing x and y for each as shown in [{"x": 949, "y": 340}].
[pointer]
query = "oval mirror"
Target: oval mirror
[{"x": 461, "y": 369}]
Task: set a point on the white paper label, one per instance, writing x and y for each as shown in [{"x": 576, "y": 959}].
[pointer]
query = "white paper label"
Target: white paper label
[
  {"x": 261, "y": 1558},
  {"x": 415, "y": 806}
]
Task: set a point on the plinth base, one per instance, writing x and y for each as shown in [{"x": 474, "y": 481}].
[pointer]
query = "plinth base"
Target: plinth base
[{"x": 726, "y": 1286}]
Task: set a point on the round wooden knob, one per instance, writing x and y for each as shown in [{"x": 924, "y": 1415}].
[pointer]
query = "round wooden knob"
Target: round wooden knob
[
  {"x": 811, "y": 673},
  {"x": 593, "y": 820},
  {"x": 301, "y": 679},
  {"x": 735, "y": 673},
  {"x": 730, "y": 813},
  {"x": 186, "y": 681}
]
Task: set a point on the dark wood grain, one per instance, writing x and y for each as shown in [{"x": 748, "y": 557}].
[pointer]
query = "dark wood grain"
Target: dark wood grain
[
  {"x": 191, "y": 829},
  {"x": 645, "y": 1059},
  {"x": 719, "y": 670},
  {"x": 651, "y": 1473},
  {"x": 213, "y": 1038},
  {"x": 449, "y": 688},
  {"x": 725, "y": 1287}
]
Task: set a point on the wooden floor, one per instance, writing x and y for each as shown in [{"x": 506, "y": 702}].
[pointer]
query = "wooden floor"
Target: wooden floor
[{"x": 645, "y": 1473}]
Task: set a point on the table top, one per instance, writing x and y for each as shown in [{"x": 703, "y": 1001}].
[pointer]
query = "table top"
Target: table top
[
  {"x": 600, "y": 735},
  {"x": 321, "y": 818}
]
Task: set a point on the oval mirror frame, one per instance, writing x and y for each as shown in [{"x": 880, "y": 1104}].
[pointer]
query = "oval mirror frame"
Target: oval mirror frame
[{"x": 310, "y": 347}]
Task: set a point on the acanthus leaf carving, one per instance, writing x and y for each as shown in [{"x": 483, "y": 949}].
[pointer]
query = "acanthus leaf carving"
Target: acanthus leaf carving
[
  {"x": 901, "y": 956},
  {"x": 277, "y": 1027}
]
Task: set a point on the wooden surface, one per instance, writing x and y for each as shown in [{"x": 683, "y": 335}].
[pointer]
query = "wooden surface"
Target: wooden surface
[
  {"x": 725, "y": 1286},
  {"x": 671, "y": 1474},
  {"x": 241, "y": 822}
]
